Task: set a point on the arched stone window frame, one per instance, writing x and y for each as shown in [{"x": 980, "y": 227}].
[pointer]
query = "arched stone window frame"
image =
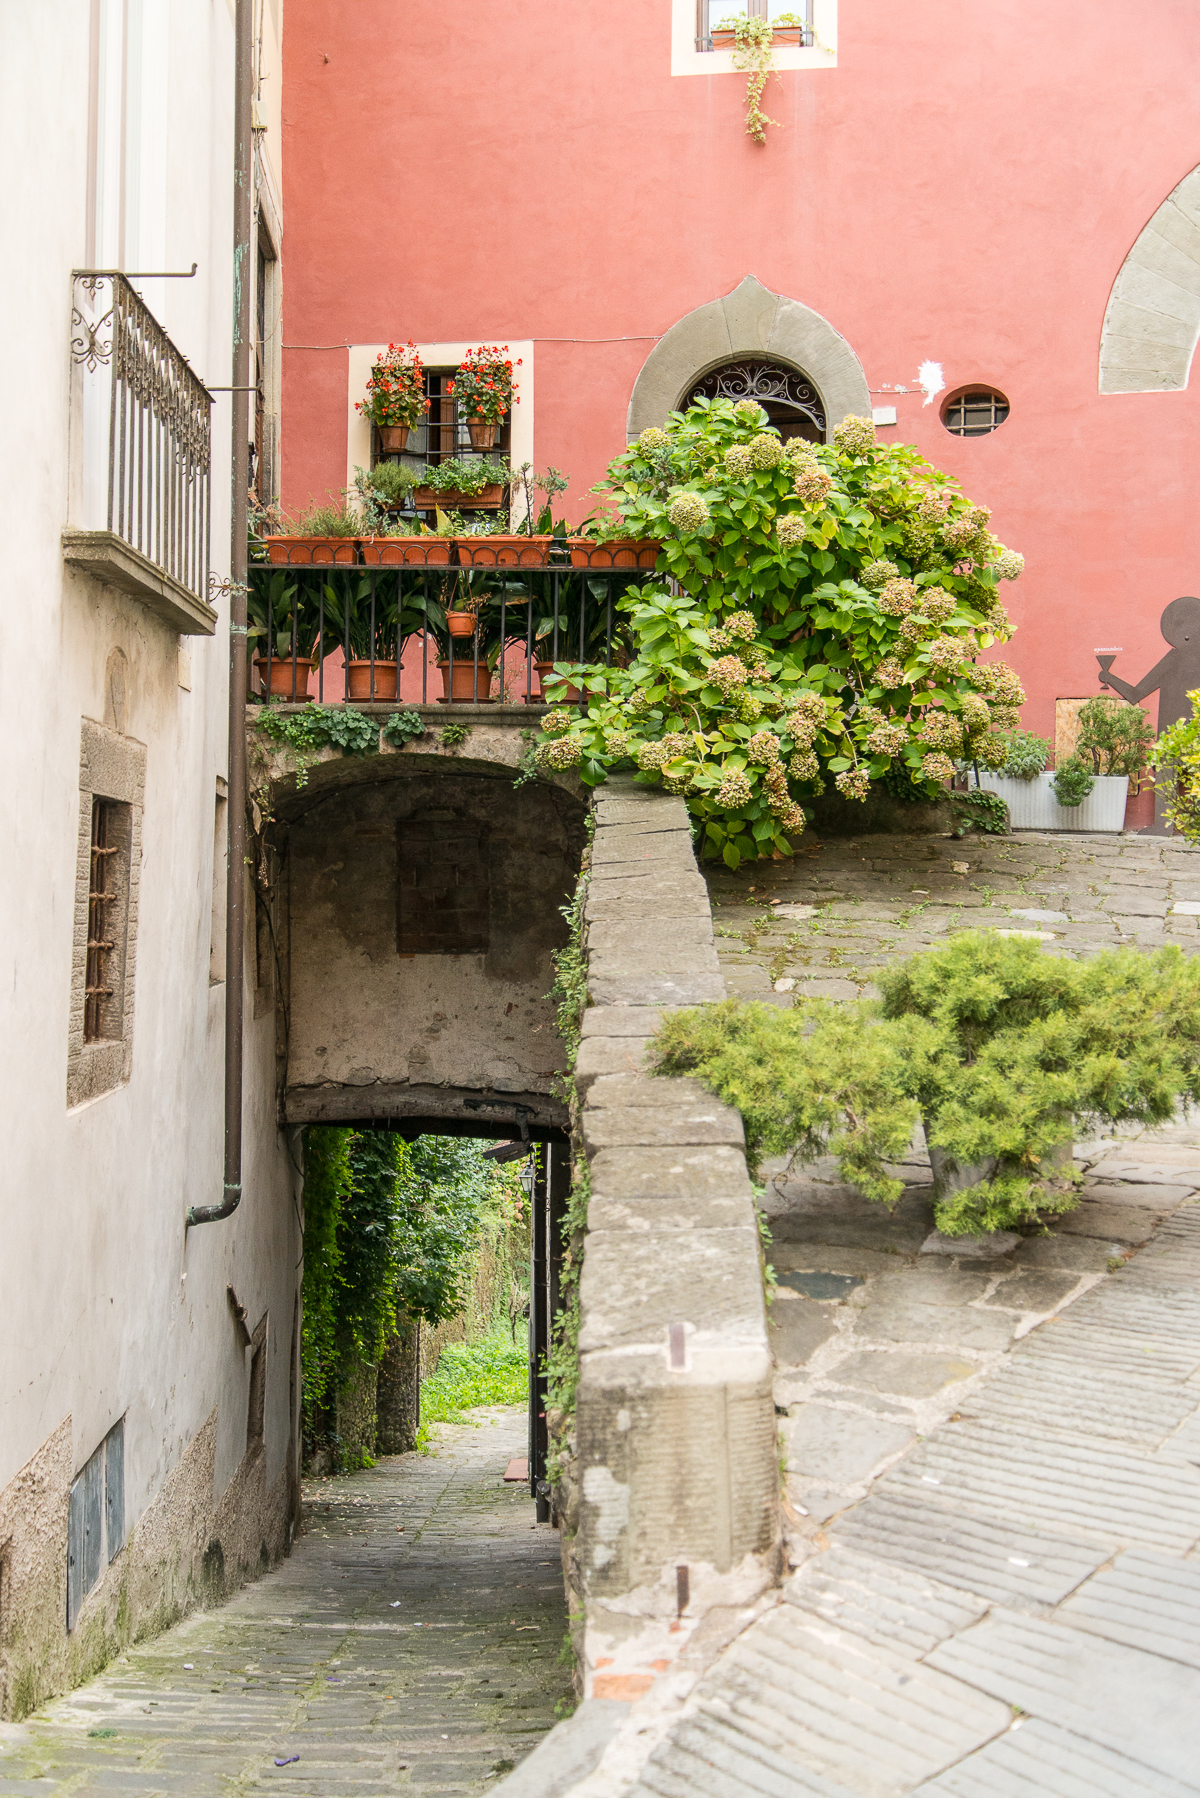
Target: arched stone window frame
[
  {"x": 750, "y": 321},
  {"x": 1152, "y": 320}
]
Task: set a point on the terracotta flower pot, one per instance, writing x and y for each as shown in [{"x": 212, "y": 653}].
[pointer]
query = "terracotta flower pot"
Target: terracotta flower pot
[
  {"x": 782, "y": 34},
  {"x": 483, "y": 436},
  {"x": 425, "y": 499},
  {"x": 420, "y": 552},
  {"x": 385, "y": 680},
  {"x": 460, "y": 624},
  {"x": 288, "y": 681},
  {"x": 393, "y": 438},
  {"x": 506, "y": 551},
  {"x": 471, "y": 685},
  {"x": 635, "y": 552},
  {"x": 302, "y": 552},
  {"x": 545, "y": 671}
]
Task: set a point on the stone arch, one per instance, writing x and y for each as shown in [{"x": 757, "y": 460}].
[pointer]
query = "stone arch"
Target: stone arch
[
  {"x": 1152, "y": 319},
  {"x": 750, "y": 321}
]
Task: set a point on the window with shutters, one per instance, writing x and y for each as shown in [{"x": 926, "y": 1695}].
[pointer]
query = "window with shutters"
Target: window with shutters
[{"x": 95, "y": 1518}]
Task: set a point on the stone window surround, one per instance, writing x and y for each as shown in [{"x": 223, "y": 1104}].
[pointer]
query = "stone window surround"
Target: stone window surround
[
  {"x": 750, "y": 321},
  {"x": 113, "y": 767},
  {"x": 687, "y": 60}
]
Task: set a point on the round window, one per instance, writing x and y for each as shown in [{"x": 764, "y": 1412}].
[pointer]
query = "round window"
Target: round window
[{"x": 974, "y": 411}]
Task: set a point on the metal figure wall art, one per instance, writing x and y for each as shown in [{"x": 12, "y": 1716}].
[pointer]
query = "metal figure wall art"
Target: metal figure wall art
[{"x": 1173, "y": 678}]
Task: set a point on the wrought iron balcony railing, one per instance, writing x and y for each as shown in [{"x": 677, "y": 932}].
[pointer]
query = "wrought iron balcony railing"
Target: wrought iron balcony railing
[{"x": 141, "y": 488}]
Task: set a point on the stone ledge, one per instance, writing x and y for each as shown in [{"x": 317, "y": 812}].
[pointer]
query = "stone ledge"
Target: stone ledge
[
  {"x": 675, "y": 1423},
  {"x": 110, "y": 559}
]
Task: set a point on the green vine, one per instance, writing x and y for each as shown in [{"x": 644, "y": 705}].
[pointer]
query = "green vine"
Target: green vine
[
  {"x": 527, "y": 764},
  {"x": 304, "y": 733},
  {"x": 755, "y": 52},
  {"x": 979, "y": 810},
  {"x": 402, "y": 727}
]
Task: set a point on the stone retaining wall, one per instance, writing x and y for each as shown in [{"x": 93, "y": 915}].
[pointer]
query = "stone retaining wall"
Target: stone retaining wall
[{"x": 676, "y": 1454}]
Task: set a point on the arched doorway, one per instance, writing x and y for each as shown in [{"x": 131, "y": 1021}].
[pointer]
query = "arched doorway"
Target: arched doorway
[
  {"x": 777, "y": 341},
  {"x": 789, "y": 399}
]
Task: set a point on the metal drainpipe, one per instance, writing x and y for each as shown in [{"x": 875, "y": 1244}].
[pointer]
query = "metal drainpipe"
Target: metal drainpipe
[{"x": 235, "y": 874}]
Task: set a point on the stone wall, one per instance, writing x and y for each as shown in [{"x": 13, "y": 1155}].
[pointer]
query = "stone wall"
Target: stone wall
[
  {"x": 423, "y": 903},
  {"x": 187, "y": 1549},
  {"x": 676, "y": 1466}
]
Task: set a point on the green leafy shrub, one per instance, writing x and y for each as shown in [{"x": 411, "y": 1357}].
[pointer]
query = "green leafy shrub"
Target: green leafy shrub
[
  {"x": 830, "y": 606},
  {"x": 340, "y": 726},
  {"x": 402, "y": 727},
  {"x": 492, "y": 1372},
  {"x": 329, "y": 521},
  {"x": 1025, "y": 756},
  {"x": 1114, "y": 737},
  {"x": 1176, "y": 759},
  {"x": 994, "y": 1044},
  {"x": 1073, "y": 781},
  {"x": 466, "y": 477},
  {"x": 980, "y": 810}
]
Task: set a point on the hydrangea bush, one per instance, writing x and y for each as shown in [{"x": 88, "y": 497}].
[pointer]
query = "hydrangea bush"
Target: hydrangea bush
[{"x": 816, "y": 620}]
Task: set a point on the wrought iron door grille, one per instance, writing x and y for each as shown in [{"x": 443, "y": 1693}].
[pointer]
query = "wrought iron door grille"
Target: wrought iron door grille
[
  {"x": 158, "y": 497},
  {"x": 786, "y": 395}
]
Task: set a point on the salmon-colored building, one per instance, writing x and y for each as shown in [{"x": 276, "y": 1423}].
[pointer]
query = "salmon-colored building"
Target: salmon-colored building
[{"x": 980, "y": 223}]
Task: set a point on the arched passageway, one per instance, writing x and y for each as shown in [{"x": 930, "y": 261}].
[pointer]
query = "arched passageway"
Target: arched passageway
[{"x": 419, "y": 903}]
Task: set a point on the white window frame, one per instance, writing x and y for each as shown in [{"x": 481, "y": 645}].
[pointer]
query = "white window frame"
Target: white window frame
[
  {"x": 363, "y": 357},
  {"x": 687, "y": 60}
]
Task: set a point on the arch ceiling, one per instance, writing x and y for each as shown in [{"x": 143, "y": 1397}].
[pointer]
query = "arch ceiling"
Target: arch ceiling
[
  {"x": 750, "y": 321},
  {"x": 1153, "y": 315}
]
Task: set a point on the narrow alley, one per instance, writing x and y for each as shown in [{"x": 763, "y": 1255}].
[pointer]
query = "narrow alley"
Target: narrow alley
[{"x": 411, "y": 1640}]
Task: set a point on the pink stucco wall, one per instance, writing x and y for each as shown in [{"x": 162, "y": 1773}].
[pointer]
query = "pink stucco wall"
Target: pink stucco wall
[{"x": 962, "y": 187}]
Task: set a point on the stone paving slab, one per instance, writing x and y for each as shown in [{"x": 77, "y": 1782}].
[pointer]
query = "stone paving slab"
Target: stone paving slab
[
  {"x": 410, "y": 1642},
  {"x": 992, "y": 1464},
  {"x": 1036, "y": 1758},
  {"x": 1140, "y": 1705}
]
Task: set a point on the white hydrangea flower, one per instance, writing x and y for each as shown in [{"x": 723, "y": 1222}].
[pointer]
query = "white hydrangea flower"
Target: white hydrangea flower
[
  {"x": 688, "y": 512},
  {"x": 766, "y": 451},
  {"x": 855, "y": 436}
]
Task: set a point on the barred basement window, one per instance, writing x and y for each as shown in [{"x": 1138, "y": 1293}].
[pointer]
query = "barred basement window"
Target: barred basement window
[
  {"x": 101, "y": 923},
  {"x": 974, "y": 411}
]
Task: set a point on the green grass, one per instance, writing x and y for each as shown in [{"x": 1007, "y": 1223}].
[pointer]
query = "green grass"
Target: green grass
[{"x": 492, "y": 1372}]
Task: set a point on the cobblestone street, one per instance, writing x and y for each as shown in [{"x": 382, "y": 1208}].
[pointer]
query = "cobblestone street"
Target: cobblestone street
[
  {"x": 820, "y": 923},
  {"x": 991, "y": 1449},
  {"x": 411, "y": 1641}
]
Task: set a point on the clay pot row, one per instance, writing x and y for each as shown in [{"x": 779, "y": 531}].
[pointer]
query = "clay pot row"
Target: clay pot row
[
  {"x": 393, "y": 439},
  {"x": 473, "y": 552},
  {"x": 470, "y": 685}
]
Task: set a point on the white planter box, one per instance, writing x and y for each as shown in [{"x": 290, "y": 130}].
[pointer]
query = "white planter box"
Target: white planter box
[{"x": 1032, "y": 805}]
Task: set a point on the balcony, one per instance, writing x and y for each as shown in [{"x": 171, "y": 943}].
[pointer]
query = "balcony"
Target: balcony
[{"x": 139, "y": 512}]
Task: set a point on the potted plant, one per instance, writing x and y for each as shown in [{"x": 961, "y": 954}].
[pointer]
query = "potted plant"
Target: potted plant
[
  {"x": 477, "y": 485},
  {"x": 276, "y": 619},
  {"x": 1090, "y": 788},
  {"x": 396, "y": 398},
  {"x": 323, "y": 534},
  {"x": 466, "y": 663},
  {"x": 367, "y": 620},
  {"x": 485, "y": 391},
  {"x": 788, "y": 28}
]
